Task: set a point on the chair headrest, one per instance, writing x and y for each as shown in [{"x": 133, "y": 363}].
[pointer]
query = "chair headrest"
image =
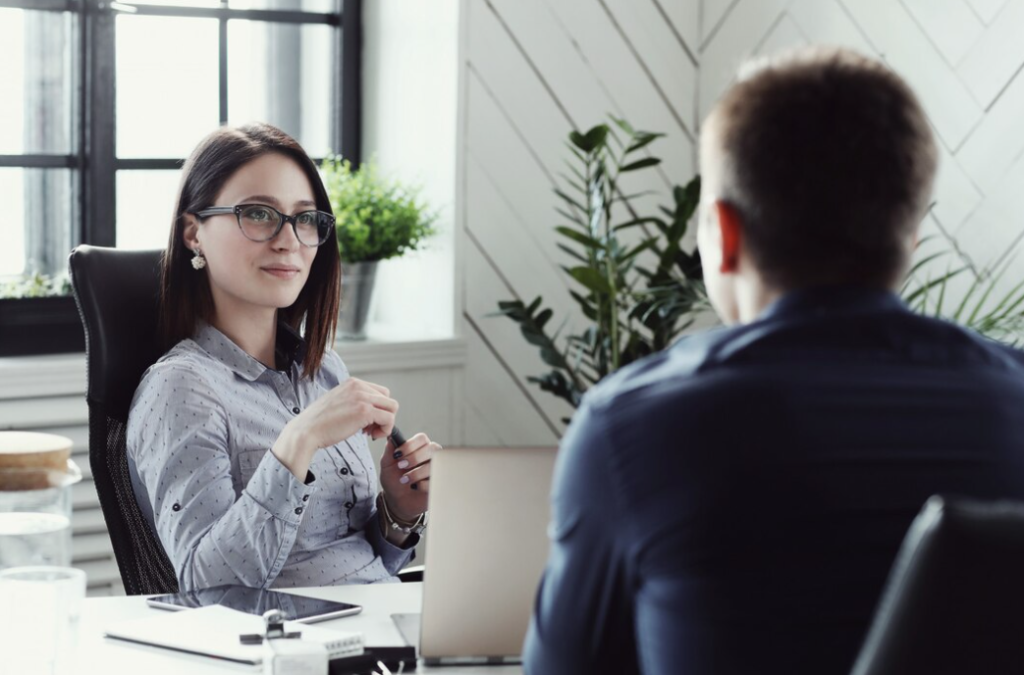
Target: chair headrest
[
  {"x": 952, "y": 603},
  {"x": 117, "y": 292}
]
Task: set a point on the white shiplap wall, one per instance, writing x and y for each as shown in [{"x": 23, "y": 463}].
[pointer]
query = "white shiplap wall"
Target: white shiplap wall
[{"x": 534, "y": 69}]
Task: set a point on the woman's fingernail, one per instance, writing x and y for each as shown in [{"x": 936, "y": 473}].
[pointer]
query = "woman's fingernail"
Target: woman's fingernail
[
  {"x": 396, "y": 454},
  {"x": 403, "y": 464},
  {"x": 415, "y": 486},
  {"x": 403, "y": 480}
]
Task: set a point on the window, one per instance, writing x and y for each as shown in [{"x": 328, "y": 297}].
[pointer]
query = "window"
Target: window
[
  {"x": 101, "y": 101},
  {"x": 38, "y": 153}
]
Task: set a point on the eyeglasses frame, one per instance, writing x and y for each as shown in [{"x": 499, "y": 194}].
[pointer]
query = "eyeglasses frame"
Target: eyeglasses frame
[{"x": 284, "y": 218}]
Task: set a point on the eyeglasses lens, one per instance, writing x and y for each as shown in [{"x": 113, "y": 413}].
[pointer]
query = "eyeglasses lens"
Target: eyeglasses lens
[{"x": 260, "y": 223}]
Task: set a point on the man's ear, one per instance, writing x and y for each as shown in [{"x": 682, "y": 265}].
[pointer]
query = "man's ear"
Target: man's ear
[{"x": 730, "y": 227}]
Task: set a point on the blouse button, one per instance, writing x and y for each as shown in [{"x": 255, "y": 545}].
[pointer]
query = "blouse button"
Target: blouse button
[
  {"x": 296, "y": 410},
  {"x": 348, "y": 505},
  {"x": 298, "y": 511},
  {"x": 305, "y": 498},
  {"x": 343, "y": 471},
  {"x": 176, "y": 507}
]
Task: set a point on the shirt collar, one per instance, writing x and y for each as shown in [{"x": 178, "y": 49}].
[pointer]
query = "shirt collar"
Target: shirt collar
[
  {"x": 828, "y": 300},
  {"x": 289, "y": 349}
]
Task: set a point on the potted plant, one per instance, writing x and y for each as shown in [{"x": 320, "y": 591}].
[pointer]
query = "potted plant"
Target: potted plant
[
  {"x": 377, "y": 218},
  {"x": 34, "y": 300},
  {"x": 634, "y": 305}
]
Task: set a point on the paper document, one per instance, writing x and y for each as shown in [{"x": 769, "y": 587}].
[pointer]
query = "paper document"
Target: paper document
[{"x": 214, "y": 631}]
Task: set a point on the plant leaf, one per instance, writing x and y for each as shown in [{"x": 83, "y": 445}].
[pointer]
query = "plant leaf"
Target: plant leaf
[
  {"x": 641, "y": 164},
  {"x": 591, "y": 279},
  {"x": 643, "y": 139},
  {"x": 579, "y": 237}
]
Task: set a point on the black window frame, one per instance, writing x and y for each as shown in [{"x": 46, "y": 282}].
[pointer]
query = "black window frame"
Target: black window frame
[{"x": 93, "y": 154}]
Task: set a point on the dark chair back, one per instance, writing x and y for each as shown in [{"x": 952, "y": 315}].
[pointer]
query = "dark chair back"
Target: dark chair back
[
  {"x": 117, "y": 294},
  {"x": 954, "y": 602}
]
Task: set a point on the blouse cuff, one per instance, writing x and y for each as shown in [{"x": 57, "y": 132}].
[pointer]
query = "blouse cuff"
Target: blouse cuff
[{"x": 278, "y": 491}]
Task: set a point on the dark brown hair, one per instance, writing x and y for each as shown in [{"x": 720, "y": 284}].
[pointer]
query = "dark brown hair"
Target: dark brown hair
[
  {"x": 185, "y": 293},
  {"x": 830, "y": 161}
]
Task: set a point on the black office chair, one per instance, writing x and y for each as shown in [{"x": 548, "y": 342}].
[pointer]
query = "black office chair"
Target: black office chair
[
  {"x": 954, "y": 602},
  {"x": 117, "y": 293}
]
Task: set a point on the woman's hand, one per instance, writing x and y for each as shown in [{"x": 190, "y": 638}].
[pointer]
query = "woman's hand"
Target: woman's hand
[
  {"x": 352, "y": 406},
  {"x": 405, "y": 476}
]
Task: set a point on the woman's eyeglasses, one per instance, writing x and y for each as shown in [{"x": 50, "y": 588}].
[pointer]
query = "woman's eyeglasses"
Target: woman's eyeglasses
[{"x": 262, "y": 223}]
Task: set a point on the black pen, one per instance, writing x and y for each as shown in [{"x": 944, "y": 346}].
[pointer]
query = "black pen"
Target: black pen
[{"x": 397, "y": 440}]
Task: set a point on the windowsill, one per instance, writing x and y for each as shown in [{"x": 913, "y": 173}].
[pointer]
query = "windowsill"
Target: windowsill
[{"x": 23, "y": 377}]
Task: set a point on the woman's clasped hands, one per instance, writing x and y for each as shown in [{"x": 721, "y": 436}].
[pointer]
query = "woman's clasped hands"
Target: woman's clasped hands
[{"x": 356, "y": 405}]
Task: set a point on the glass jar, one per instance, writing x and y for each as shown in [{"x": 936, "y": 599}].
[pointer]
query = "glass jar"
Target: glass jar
[{"x": 35, "y": 513}]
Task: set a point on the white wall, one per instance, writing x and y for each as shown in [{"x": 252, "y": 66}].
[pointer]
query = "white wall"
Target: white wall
[
  {"x": 534, "y": 69},
  {"x": 410, "y": 111}
]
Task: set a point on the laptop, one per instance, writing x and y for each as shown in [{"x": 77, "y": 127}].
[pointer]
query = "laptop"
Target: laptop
[{"x": 487, "y": 547}]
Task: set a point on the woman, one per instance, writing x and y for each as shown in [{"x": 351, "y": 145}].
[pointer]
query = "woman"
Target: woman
[{"x": 247, "y": 444}]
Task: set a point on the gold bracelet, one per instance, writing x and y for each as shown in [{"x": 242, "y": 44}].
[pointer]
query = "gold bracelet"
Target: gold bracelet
[{"x": 408, "y": 527}]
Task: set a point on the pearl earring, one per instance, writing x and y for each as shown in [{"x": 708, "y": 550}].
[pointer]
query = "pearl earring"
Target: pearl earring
[{"x": 198, "y": 262}]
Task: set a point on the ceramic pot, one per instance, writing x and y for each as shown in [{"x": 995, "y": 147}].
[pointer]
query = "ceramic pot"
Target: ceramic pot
[{"x": 357, "y": 280}]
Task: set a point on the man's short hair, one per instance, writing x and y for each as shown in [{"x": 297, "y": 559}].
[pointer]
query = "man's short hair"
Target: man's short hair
[{"x": 829, "y": 158}]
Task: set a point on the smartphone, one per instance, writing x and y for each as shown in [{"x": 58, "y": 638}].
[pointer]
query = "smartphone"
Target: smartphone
[{"x": 257, "y": 601}]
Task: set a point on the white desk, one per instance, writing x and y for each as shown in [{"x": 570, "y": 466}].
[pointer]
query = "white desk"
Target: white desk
[{"x": 96, "y": 654}]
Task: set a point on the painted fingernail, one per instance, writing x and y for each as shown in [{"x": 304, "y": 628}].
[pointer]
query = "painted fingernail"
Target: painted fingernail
[
  {"x": 403, "y": 480},
  {"x": 396, "y": 454},
  {"x": 403, "y": 464},
  {"x": 415, "y": 486}
]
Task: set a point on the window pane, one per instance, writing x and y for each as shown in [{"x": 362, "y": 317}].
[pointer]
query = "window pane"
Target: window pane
[
  {"x": 208, "y": 4},
  {"x": 292, "y": 5},
  {"x": 167, "y": 91},
  {"x": 281, "y": 74},
  {"x": 36, "y": 82},
  {"x": 39, "y": 213},
  {"x": 145, "y": 207}
]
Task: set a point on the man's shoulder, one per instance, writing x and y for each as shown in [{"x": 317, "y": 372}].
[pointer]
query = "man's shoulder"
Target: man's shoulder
[
  {"x": 670, "y": 376},
  {"x": 729, "y": 365}
]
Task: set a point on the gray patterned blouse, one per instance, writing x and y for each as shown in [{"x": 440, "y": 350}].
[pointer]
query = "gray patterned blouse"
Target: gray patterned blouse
[{"x": 226, "y": 510}]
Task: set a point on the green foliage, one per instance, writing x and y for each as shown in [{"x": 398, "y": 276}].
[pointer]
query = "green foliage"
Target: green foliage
[
  {"x": 633, "y": 309},
  {"x": 377, "y": 218},
  {"x": 981, "y": 307},
  {"x": 35, "y": 286}
]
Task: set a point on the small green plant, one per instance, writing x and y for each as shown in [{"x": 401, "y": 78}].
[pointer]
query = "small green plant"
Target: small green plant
[
  {"x": 376, "y": 217},
  {"x": 633, "y": 309},
  {"x": 35, "y": 286},
  {"x": 980, "y": 307}
]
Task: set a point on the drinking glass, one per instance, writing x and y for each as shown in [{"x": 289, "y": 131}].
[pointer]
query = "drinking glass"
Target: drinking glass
[{"x": 39, "y": 610}]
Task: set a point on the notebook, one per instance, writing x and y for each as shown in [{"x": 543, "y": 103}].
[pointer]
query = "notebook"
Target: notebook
[{"x": 213, "y": 631}]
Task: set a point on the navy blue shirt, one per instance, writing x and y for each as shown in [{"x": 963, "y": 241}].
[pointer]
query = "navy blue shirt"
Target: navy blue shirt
[{"x": 733, "y": 504}]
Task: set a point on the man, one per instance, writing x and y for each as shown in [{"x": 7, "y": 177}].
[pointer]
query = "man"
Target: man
[{"x": 733, "y": 504}]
